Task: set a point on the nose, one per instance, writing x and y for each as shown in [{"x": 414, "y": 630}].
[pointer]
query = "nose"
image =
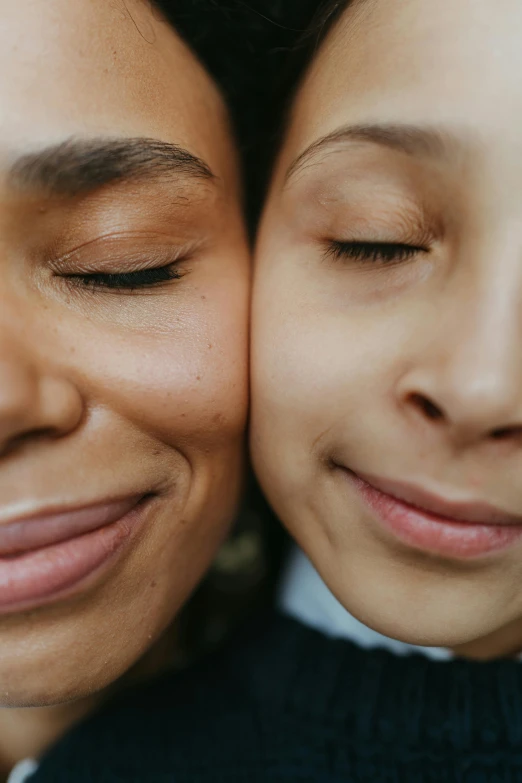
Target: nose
[
  {"x": 465, "y": 379},
  {"x": 34, "y": 400}
]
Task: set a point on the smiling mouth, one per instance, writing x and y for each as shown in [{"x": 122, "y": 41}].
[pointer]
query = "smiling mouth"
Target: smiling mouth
[
  {"x": 48, "y": 557},
  {"x": 429, "y": 523}
]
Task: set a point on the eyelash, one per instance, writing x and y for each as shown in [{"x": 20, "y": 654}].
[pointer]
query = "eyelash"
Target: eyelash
[
  {"x": 128, "y": 281},
  {"x": 376, "y": 252}
]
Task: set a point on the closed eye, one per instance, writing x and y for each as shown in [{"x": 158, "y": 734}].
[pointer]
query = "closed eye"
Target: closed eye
[
  {"x": 140, "y": 278},
  {"x": 376, "y": 252}
]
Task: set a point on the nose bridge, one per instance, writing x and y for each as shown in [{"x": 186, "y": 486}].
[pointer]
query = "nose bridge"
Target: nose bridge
[
  {"x": 470, "y": 369},
  {"x": 33, "y": 397},
  {"x": 484, "y": 357},
  {"x": 17, "y": 366},
  {"x": 19, "y": 377}
]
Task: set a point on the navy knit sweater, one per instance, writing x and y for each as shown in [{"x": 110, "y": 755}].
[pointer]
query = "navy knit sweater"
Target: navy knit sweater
[{"x": 285, "y": 703}]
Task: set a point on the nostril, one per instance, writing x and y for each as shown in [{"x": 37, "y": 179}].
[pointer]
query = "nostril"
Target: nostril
[{"x": 428, "y": 408}]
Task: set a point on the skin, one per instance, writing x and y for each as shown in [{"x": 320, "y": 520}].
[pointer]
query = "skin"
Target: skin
[
  {"x": 106, "y": 393},
  {"x": 348, "y": 353}
]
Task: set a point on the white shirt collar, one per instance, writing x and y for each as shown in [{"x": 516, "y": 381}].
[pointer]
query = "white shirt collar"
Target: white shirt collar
[
  {"x": 22, "y": 771},
  {"x": 304, "y": 596}
]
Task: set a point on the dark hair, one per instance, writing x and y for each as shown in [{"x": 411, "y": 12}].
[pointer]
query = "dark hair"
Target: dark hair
[
  {"x": 306, "y": 43},
  {"x": 328, "y": 16},
  {"x": 256, "y": 51}
]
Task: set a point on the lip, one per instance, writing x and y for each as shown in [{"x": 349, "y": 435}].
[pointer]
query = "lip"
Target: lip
[
  {"x": 459, "y": 530},
  {"x": 51, "y": 555}
]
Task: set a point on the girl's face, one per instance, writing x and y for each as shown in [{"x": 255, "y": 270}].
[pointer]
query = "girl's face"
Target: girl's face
[
  {"x": 123, "y": 316},
  {"x": 387, "y": 331}
]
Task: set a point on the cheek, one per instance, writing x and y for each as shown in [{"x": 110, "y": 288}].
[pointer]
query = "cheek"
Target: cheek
[
  {"x": 310, "y": 365},
  {"x": 185, "y": 385},
  {"x": 320, "y": 368}
]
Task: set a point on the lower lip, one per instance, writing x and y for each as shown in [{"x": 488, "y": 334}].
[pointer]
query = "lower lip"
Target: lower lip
[
  {"x": 58, "y": 571},
  {"x": 433, "y": 534}
]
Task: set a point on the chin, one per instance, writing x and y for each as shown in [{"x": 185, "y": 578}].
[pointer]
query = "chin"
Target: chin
[
  {"x": 41, "y": 695},
  {"x": 34, "y": 689},
  {"x": 46, "y": 674},
  {"x": 438, "y": 613},
  {"x": 425, "y": 632},
  {"x": 428, "y": 629}
]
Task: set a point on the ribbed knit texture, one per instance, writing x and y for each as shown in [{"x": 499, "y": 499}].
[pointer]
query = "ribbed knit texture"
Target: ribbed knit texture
[{"x": 288, "y": 704}]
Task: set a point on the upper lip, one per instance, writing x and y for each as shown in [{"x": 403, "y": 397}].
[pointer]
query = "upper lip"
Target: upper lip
[
  {"x": 472, "y": 511},
  {"x": 52, "y": 527}
]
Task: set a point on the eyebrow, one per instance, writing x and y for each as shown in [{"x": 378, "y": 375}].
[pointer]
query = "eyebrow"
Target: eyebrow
[
  {"x": 409, "y": 139},
  {"x": 79, "y": 166}
]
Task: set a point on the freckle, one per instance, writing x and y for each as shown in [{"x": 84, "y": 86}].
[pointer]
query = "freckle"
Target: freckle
[
  {"x": 182, "y": 521},
  {"x": 153, "y": 583},
  {"x": 203, "y": 296},
  {"x": 198, "y": 377},
  {"x": 210, "y": 345}
]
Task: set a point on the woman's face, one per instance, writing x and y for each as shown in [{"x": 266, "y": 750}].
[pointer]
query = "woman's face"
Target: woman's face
[
  {"x": 387, "y": 326},
  {"x": 123, "y": 316}
]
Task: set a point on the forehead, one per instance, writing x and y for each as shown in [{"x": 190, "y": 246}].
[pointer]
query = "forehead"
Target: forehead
[
  {"x": 451, "y": 63},
  {"x": 101, "y": 67}
]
